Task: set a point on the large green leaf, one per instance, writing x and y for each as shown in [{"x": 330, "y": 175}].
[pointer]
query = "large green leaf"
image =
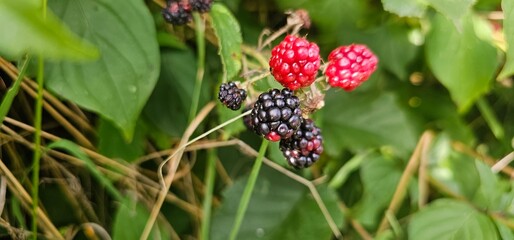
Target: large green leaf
[
  {"x": 277, "y": 208},
  {"x": 402, "y": 8},
  {"x": 454, "y": 10},
  {"x": 24, "y": 29},
  {"x": 508, "y": 31},
  {"x": 118, "y": 85},
  {"x": 450, "y": 219},
  {"x": 464, "y": 63},
  {"x": 228, "y": 32},
  {"x": 359, "y": 120}
]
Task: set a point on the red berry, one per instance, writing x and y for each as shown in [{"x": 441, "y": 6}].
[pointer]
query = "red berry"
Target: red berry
[
  {"x": 295, "y": 62},
  {"x": 349, "y": 66}
]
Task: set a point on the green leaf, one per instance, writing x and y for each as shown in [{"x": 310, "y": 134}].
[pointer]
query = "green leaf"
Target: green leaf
[
  {"x": 454, "y": 170},
  {"x": 168, "y": 106},
  {"x": 24, "y": 29},
  {"x": 227, "y": 30},
  {"x": 277, "y": 207},
  {"x": 130, "y": 220},
  {"x": 368, "y": 120},
  {"x": 118, "y": 85},
  {"x": 112, "y": 144},
  {"x": 380, "y": 177},
  {"x": 489, "y": 192},
  {"x": 402, "y": 8},
  {"x": 450, "y": 219},
  {"x": 508, "y": 32},
  {"x": 464, "y": 63},
  {"x": 454, "y": 10}
]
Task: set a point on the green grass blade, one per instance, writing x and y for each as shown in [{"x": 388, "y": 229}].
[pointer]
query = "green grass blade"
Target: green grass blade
[
  {"x": 74, "y": 149},
  {"x": 245, "y": 199},
  {"x": 13, "y": 91}
]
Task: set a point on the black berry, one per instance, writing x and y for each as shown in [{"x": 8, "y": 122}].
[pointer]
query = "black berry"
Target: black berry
[
  {"x": 231, "y": 96},
  {"x": 305, "y": 147},
  {"x": 201, "y": 5},
  {"x": 276, "y": 114},
  {"x": 177, "y": 12}
]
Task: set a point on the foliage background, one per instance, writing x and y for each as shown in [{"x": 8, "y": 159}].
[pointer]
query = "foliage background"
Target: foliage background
[{"x": 411, "y": 154}]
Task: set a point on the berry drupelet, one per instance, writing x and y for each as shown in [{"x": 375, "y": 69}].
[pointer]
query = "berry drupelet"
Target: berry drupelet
[
  {"x": 295, "y": 62},
  {"x": 276, "y": 114},
  {"x": 231, "y": 96},
  {"x": 304, "y": 147},
  {"x": 177, "y": 12},
  {"x": 349, "y": 66},
  {"x": 201, "y": 5}
]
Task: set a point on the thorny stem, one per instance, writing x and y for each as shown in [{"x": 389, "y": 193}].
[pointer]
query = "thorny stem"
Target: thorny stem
[{"x": 247, "y": 194}]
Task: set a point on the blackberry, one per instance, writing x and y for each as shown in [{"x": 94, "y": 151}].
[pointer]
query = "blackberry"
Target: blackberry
[
  {"x": 201, "y": 5},
  {"x": 276, "y": 114},
  {"x": 305, "y": 147},
  {"x": 177, "y": 13},
  {"x": 247, "y": 120},
  {"x": 231, "y": 96}
]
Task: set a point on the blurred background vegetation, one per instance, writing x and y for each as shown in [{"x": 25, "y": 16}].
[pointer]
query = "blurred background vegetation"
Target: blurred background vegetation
[{"x": 97, "y": 94}]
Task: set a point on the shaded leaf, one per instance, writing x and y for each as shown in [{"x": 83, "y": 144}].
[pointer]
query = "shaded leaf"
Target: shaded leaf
[
  {"x": 508, "y": 32},
  {"x": 379, "y": 176},
  {"x": 402, "y": 8},
  {"x": 168, "y": 106},
  {"x": 24, "y": 29},
  {"x": 112, "y": 144},
  {"x": 277, "y": 207},
  {"x": 359, "y": 120},
  {"x": 118, "y": 85},
  {"x": 450, "y": 219},
  {"x": 229, "y": 36},
  {"x": 464, "y": 63},
  {"x": 130, "y": 220}
]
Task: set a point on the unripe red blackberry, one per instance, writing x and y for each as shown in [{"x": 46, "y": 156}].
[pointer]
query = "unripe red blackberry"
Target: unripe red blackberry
[
  {"x": 177, "y": 12},
  {"x": 231, "y": 96},
  {"x": 276, "y": 114},
  {"x": 304, "y": 147},
  {"x": 295, "y": 62},
  {"x": 349, "y": 66}
]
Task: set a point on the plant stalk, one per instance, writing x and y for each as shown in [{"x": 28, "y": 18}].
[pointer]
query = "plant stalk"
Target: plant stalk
[
  {"x": 247, "y": 193},
  {"x": 200, "y": 46},
  {"x": 210, "y": 177}
]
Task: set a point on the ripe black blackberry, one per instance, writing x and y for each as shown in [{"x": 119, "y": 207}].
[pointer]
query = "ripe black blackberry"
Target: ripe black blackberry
[
  {"x": 247, "y": 120},
  {"x": 177, "y": 12},
  {"x": 231, "y": 96},
  {"x": 305, "y": 147},
  {"x": 276, "y": 114},
  {"x": 201, "y": 5}
]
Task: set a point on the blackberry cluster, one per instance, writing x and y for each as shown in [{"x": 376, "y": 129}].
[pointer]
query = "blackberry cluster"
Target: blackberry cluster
[
  {"x": 231, "y": 96},
  {"x": 304, "y": 147},
  {"x": 201, "y": 5},
  {"x": 178, "y": 12},
  {"x": 276, "y": 114}
]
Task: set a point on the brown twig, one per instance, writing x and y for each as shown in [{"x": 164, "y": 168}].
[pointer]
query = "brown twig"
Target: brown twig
[{"x": 401, "y": 188}]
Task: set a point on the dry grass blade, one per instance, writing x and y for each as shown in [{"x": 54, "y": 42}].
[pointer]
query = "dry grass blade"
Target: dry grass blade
[
  {"x": 173, "y": 162},
  {"x": 18, "y": 190}
]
